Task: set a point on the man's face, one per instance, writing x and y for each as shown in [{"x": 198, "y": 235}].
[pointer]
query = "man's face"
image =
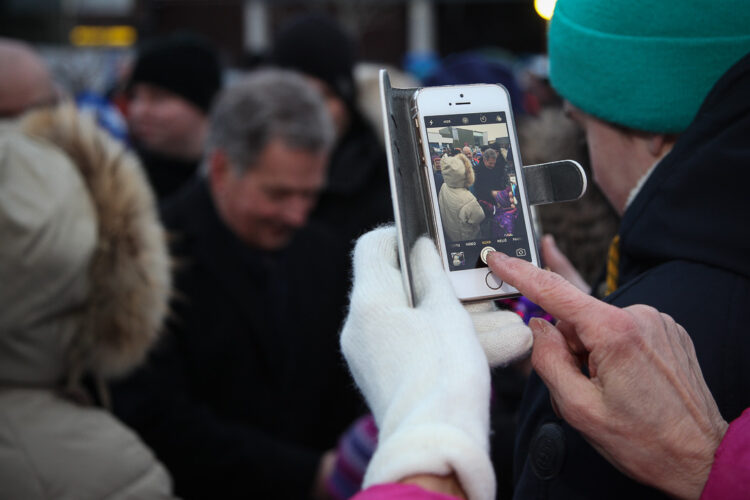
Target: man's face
[
  {"x": 490, "y": 162},
  {"x": 163, "y": 121},
  {"x": 265, "y": 205},
  {"x": 618, "y": 159}
]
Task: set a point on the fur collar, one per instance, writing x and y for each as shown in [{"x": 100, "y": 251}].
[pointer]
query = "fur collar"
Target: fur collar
[{"x": 130, "y": 278}]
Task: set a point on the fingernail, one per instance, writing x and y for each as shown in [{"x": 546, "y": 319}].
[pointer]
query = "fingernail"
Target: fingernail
[
  {"x": 538, "y": 326},
  {"x": 497, "y": 256}
]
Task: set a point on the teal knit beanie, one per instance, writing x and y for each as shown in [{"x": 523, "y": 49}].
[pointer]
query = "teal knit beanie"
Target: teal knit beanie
[{"x": 646, "y": 65}]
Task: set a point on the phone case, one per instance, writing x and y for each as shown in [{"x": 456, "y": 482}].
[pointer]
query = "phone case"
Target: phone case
[{"x": 552, "y": 182}]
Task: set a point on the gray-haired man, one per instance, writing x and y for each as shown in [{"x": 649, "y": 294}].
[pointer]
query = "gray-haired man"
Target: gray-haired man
[{"x": 248, "y": 393}]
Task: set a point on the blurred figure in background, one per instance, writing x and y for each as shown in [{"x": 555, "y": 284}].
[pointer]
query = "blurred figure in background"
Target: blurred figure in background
[
  {"x": 247, "y": 394},
  {"x": 357, "y": 192},
  {"x": 171, "y": 87},
  {"x": 533, "y": 78},
  {"x": 367, "y": 81},
  {"x": 478, "y": 67},
  {"x": 85, "y": 283},
  {"x": 26, "y": 82}
]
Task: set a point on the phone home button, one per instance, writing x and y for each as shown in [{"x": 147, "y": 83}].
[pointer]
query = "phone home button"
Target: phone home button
[{"x": 493, "y": 281}]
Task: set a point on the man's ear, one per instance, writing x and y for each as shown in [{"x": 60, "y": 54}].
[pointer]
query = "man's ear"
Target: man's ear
[
  {"x": 218, "y": 170},
  {"x": 660, "y": 144}
]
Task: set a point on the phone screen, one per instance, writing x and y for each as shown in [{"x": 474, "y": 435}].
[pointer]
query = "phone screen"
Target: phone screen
[{"x": 482, "y": 208}]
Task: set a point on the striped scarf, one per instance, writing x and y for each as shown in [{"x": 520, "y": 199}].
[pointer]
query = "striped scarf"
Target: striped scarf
[{"x": 613, "y": 265}]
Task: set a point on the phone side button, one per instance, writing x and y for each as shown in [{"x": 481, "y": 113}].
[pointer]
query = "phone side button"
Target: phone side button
[{"x": 493, "y": 281}]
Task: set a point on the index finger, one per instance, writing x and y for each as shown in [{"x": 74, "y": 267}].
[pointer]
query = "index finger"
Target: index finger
[{"x": 551, "y": 291}]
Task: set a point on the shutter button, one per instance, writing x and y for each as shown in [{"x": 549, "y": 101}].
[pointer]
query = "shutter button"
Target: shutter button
[{"x": 485, "y": 252}]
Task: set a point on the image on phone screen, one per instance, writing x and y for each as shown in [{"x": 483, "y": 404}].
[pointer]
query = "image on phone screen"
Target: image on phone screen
[{"x": 476, "y": 187}]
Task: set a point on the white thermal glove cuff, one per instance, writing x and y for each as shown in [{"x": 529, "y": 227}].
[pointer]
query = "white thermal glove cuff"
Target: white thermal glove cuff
[{"x": 421, "y": 369}]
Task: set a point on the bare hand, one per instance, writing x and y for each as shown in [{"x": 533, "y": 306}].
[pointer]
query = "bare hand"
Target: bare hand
[
  {"x": 557, "y": 262},
  {"x": 325, "y": 469},
  {"x": 645, "y": 405}
]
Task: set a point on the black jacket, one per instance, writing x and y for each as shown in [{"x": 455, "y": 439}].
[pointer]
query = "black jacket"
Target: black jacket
[
  {"x": 685, "y": 250},
  {"x": 357, "y": 196},
  {"x": 166, "y": 174},
  {"x": 490, "y": 179},
  {"x": 248, "y": 388}
]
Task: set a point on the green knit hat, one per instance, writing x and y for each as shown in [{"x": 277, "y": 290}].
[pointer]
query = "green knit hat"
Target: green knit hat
[{"x": 646, "y": 65}]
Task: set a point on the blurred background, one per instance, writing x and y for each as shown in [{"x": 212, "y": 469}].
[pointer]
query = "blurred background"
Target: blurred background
[
  {"x": 87, "y": 41},
  {"x": 90, "y": 45}
]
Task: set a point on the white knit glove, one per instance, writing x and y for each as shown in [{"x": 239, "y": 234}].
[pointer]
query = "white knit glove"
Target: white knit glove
[
  {"x": 503, "y": 334},
  {"x": 422, "y": 370}
]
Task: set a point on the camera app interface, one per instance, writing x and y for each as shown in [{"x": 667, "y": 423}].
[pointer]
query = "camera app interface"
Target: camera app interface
[{"x": 476, "y": 186}]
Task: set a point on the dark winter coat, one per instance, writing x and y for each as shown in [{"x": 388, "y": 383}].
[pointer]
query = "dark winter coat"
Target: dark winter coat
[
  {"x": 248, "y": 389},
  {"x": 166, "y": 174},
  {"x": 685, "y": 250},
  {"x": 490, "y": 179},
  {"x": 357, "y": 196},
  {"x": 84, "y": 285}
]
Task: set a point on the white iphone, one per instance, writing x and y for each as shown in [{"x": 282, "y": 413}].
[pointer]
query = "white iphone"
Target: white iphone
[{"x": 476, "y": 191}]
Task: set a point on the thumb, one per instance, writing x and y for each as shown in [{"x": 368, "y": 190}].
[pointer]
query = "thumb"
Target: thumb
[
  {"x": 431, "y": 283},
  {"x": 502, "y": 334},
  {"x": 561, "y": 372}
]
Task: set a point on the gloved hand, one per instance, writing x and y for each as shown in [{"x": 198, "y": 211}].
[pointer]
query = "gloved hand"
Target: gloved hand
[
  {"x": 422, "y": 370},
  {"x": 502, "y": 334}
]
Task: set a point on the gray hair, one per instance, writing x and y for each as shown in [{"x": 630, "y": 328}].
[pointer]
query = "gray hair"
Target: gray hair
[
  {"x": 266, "y": 105},
  {"x": 489, "y": 153}
]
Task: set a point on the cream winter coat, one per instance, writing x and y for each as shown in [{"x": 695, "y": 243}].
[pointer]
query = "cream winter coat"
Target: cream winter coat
[
  {"x": 459, "y": 209},
  {"x": 84, "y": 283}
]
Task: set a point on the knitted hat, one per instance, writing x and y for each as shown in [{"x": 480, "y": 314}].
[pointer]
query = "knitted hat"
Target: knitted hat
[
  {"x": 183, "y": 63},
  {"x": 318, "y": 46},
  {"x": 643, "y": 64}
]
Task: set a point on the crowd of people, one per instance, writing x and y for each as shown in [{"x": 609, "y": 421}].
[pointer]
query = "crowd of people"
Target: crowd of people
[
  {"x": 187, "y": 314},
  {"x": 476, "y": 196}
]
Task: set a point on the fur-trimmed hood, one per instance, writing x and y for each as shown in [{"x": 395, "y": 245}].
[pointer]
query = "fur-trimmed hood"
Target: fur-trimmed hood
[
  {"x": 85, "y": 269},
  {"x": 457, "y": 171}
]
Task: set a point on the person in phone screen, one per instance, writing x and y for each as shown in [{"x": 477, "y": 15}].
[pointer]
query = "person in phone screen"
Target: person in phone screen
[
  {"x": 461, "y": 212},
  {"x": 506, "y": 213},
  {"x": 490, "y": 175}
]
